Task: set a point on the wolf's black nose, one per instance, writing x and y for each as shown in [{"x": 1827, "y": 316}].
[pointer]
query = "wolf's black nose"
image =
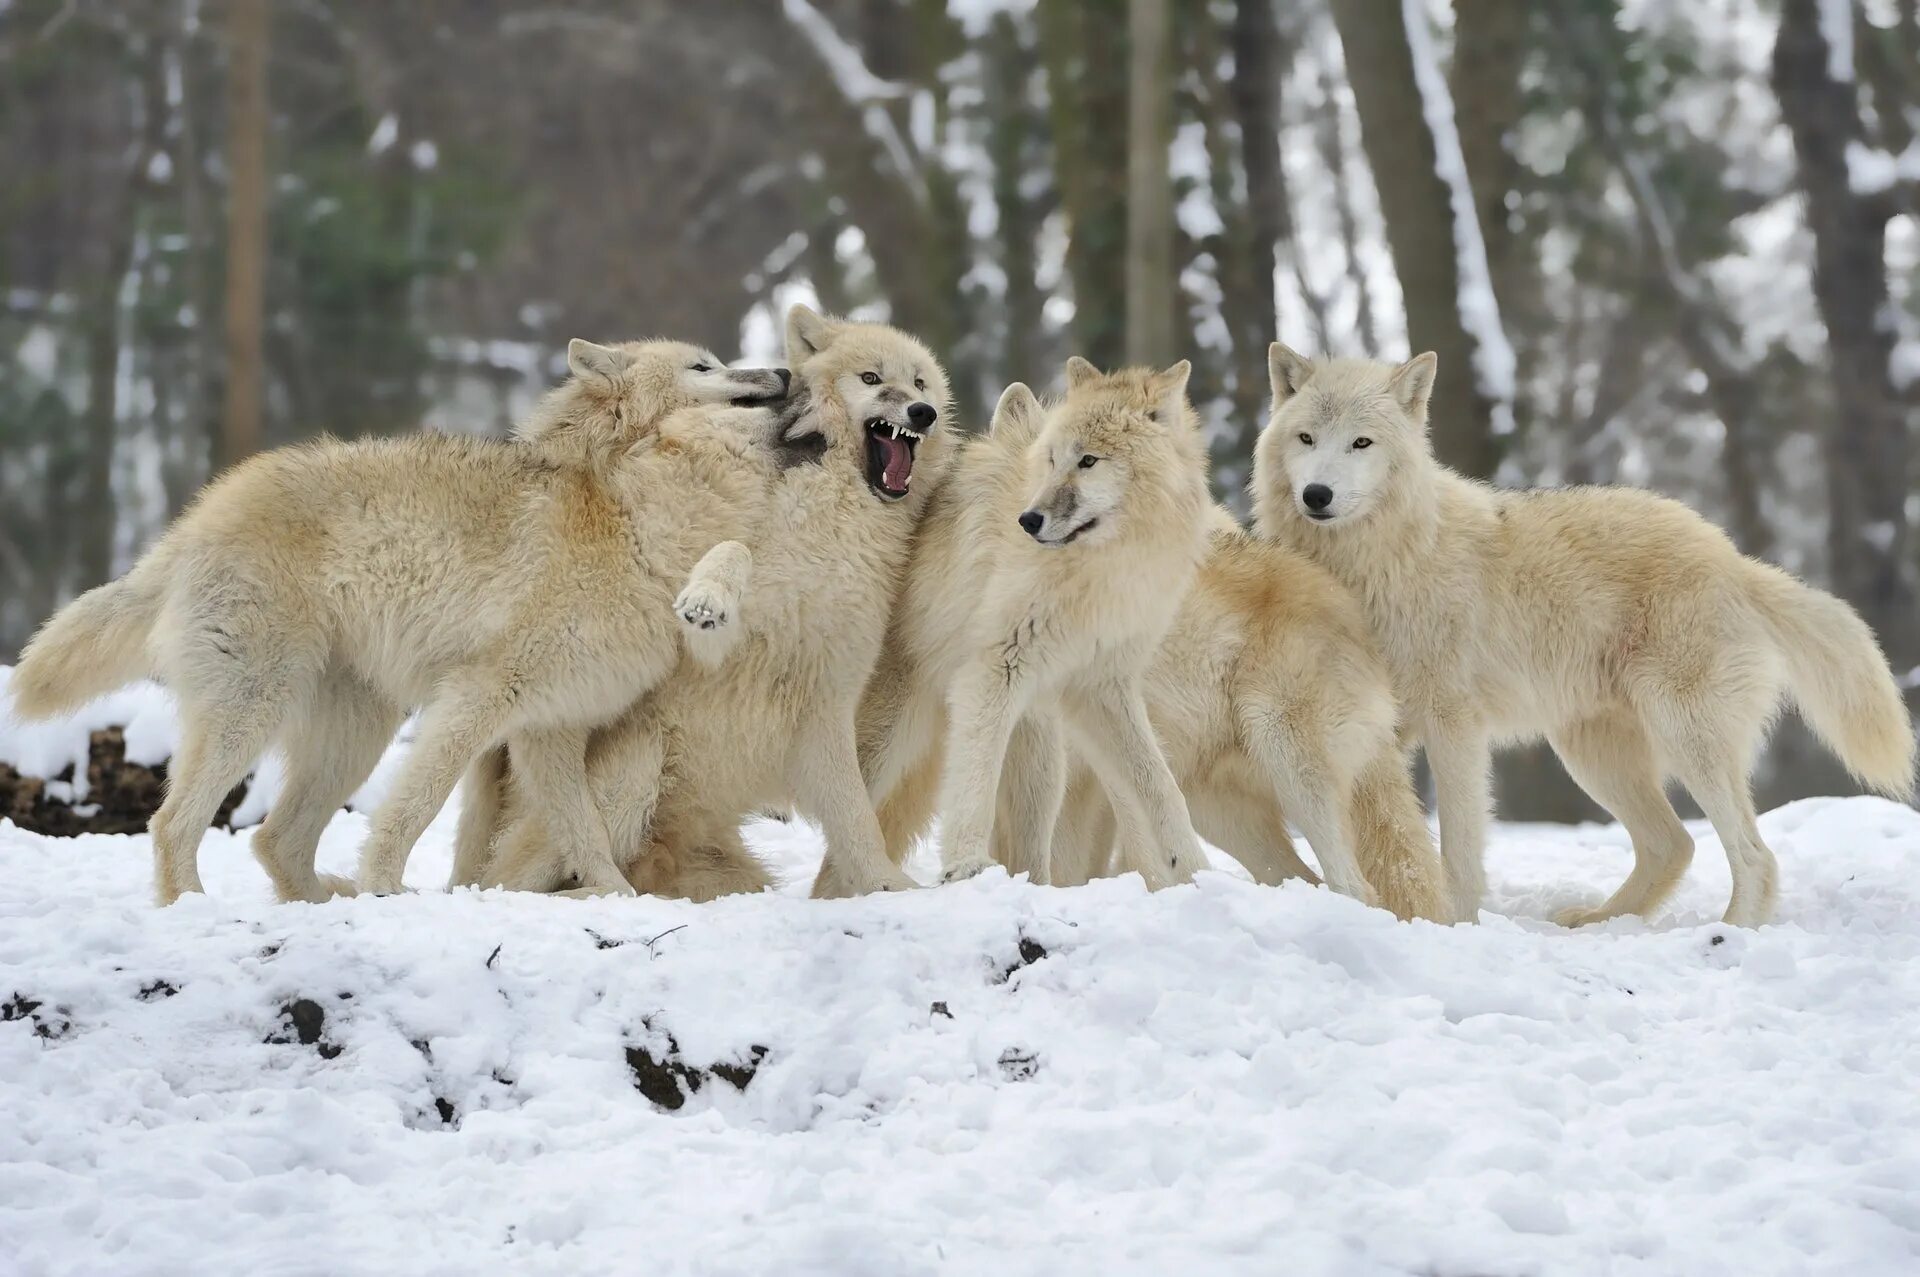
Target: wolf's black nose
[
  {"x": 921, "y": 415},
  {"x": 1031, "y": 521},
  {"x": 786, "y": 379},
  {"x": 1318, "y": 496}
]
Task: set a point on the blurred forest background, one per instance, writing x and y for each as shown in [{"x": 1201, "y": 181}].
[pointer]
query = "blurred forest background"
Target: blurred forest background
[{"x": 1672, "y": 243}]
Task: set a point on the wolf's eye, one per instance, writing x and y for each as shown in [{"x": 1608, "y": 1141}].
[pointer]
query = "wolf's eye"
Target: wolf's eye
[
  {"x": 702, "y": 368},
  {"x": 1089, "y": 461},
  {"x": 1307, "y": 439},
  {"x": 920, "y": 383},
  {"x": 1362, "y": 442},
  {"x": 871, "y": 378}
]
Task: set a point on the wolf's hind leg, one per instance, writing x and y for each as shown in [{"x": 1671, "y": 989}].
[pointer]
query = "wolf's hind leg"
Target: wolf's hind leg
[
  {"x": 1714, "y": 770},
  {"x": 482, "y": 796},
  {"x": 1252, "y": 828},
  {"x": 470, "y": 715},
  {"x": 1613, "y": 761},
  {"x": 709, "y": 606},
  {"x": 1117, "y": 739},
  {"x": 1033, "y": 785},
  {"x": 330, "y": 753},
  {"x": 550, "y": 766}
]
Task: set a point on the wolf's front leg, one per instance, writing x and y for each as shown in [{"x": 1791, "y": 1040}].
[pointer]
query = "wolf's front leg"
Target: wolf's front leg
[
  {"x": 983, "y": 706},
  {"x": 709, "y": 606},
  {"x": 824, "y": 771},
  {"x": 1118, "y": 740},
  {"x": 1461, "y": 758}
]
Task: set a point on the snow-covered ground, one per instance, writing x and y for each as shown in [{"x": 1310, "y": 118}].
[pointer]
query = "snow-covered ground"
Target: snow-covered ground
[{"x": 984, "y": 1078}]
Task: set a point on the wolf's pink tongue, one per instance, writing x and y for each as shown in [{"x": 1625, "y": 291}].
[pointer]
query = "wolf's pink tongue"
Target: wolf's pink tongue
[{"x": 899, "y": 466}]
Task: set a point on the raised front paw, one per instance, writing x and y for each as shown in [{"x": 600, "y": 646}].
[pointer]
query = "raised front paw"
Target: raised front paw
[{"x": 703, "y": 607}]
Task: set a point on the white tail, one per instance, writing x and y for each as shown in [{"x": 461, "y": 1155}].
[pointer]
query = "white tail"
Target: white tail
[
  {"x": 90, "y": 647},
  {"x": 1840, "y": 680}
]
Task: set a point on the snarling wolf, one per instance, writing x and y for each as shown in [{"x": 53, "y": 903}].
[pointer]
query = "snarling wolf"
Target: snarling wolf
[
  {"x": 312, "y": 594},
  {"x": 1620, "y": 625},
  {"x": 774, "y": 725},
  {"x": 1049, "y": 568}
]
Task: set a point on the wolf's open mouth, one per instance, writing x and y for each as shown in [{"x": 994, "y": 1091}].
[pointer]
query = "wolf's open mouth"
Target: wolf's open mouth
[{"x": 890, "y": 457}]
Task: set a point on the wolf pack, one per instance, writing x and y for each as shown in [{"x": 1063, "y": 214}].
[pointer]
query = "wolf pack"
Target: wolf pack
[{"x": 684, "y": 593}]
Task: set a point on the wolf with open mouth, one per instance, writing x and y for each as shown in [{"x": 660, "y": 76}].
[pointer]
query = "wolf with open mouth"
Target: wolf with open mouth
[{"x": 864, "y": 439}]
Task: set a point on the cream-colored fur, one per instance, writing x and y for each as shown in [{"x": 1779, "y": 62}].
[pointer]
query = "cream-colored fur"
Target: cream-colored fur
[
  {"x": 1622, "y": 626},
  {"x": 312, "y": 594},
  {"x": 774, "y": 726},
  {"x": 1271, "y": 701},
  {"x": 1049, "y": 568}
]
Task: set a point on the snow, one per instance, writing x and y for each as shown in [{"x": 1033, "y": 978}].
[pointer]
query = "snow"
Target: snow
[
  {"x": 1494, "y": 361},
  {"x": 1836, "y": 28},
  {"x": 1219, "y": 1078},
  {"x": 1873, "y": 172}
]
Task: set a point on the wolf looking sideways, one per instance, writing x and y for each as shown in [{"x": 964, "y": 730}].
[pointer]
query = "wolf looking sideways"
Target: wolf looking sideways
[
  {"x": 1622, "y": 626},
  {"x": 774, "y": 725},
  {"x": 312, "y": 594},
  {"x": 1051, "y": 565}
]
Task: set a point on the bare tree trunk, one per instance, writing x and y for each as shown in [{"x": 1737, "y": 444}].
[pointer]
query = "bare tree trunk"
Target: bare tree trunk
[
  {"x": 247, "y": 122},
  {"x": 1489, "y": 45},
  {"x": 1417, "y": 203},
  {"x": 1012, "y": 124},
  {"x": 1255, "y": 93},
  {"x": 1868, "y": 455},
  {"x": 1150, "y": 281},
  {"x": 1085, "y": 51}
]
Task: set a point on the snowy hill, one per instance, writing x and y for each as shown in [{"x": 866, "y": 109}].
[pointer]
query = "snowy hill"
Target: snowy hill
[{"x": 990, "y": 1077}]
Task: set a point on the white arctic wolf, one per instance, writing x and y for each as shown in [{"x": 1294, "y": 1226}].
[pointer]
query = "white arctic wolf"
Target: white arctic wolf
[
  {"x": 1621, "y": 625},
  {"x": 1271, "y": 700},
  {"x": 312, "y": 594},
  {"x": 774, "y": 726},
  {"x": 1050, "y": 566}
]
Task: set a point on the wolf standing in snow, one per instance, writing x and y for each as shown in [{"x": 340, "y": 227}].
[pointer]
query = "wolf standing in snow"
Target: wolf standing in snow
[
  {"x": 1622, "y": 626},
  {"x": 1271, "y": 700},
  {"x": 774, "y": 726},
  {"x": 1049, "y": 569},
  {"x": 312, "y": 594}
]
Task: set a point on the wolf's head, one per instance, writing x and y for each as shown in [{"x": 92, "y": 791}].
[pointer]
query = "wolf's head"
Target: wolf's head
[
  {"x": 616, "y": 396},
  {"x": 881, "y": 396},
  {"x": 1344, "y": 436},
  {"x": 1121, "y": 449}
]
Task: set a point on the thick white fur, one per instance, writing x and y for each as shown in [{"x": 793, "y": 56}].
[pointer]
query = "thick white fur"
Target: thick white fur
[
  {"x": 1272, "y": 701},
  {"x": 774, "y": 726},
  {"x": 312, "y": 594},
  {"x": 1622, "y": 626},
  {"x": 1000, "y": 631}
]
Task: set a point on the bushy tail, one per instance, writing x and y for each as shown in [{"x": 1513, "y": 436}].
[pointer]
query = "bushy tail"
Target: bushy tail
[
  {"x": 90, "y": 647},
  {"x": 1840, "y": 680},
  {"x": 1393, "y": 845}
]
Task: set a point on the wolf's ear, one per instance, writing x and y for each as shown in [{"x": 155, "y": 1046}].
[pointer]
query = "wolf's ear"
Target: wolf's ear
[
  {"x": 593, "y": 363},
  {"x": 1171, "y": 387},
  {"x": 1079, "y": 372},
  {"x": 1287, "y": 370},
  {"x": 1412, "y": 382},
  {"x": 808, "y": 333},
  {"x": 1017, "y": 415}
]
